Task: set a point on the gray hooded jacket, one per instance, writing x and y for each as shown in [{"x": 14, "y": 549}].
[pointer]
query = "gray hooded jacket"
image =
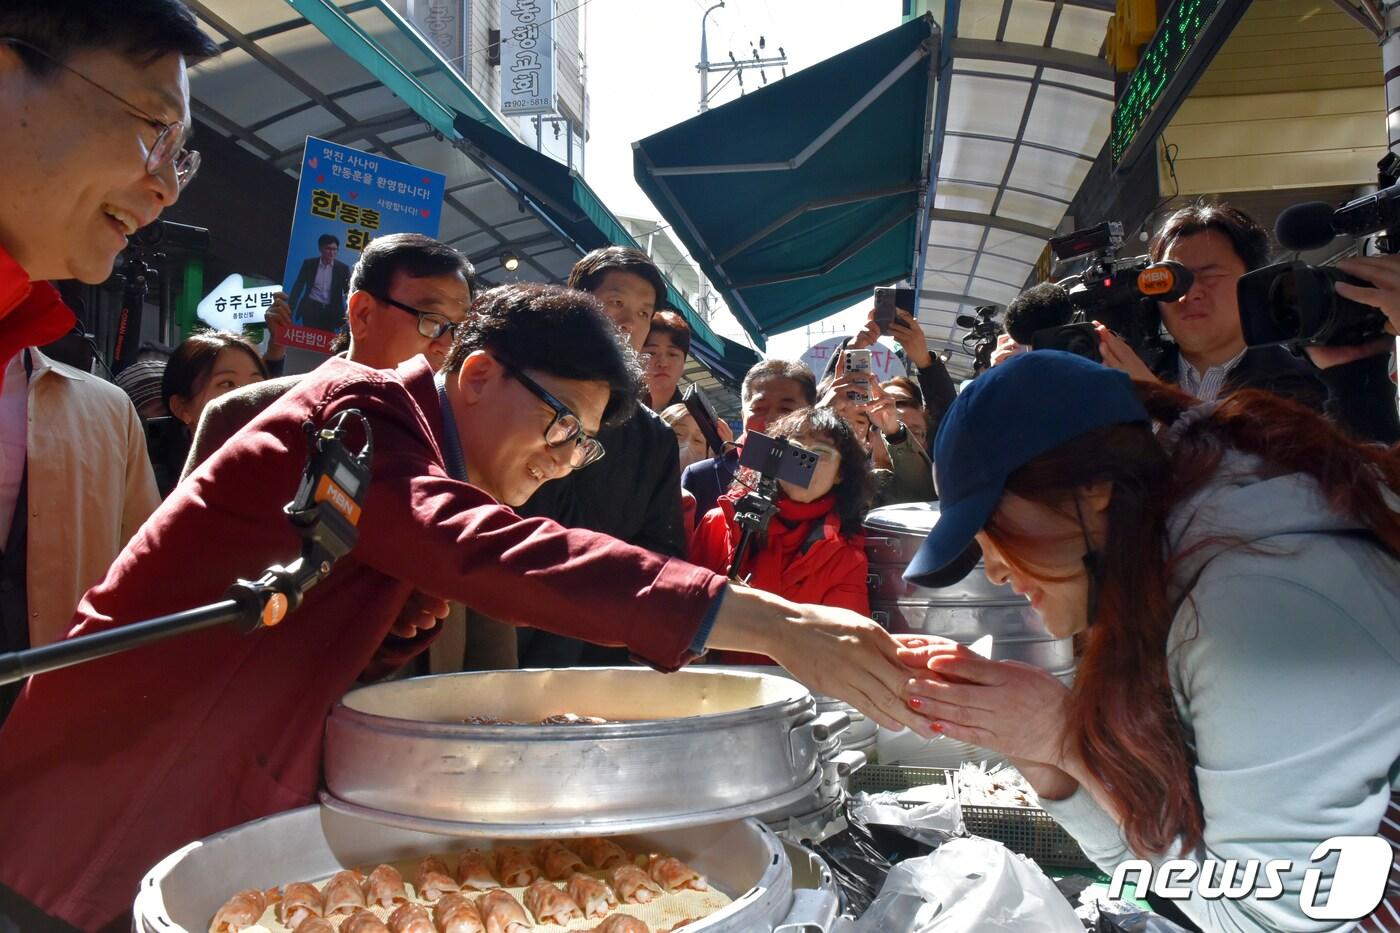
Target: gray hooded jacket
[{"x": 1285, "y": 665}]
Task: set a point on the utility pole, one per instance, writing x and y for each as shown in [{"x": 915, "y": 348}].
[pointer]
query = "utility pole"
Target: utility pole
[{"x": 734, "y": 68}]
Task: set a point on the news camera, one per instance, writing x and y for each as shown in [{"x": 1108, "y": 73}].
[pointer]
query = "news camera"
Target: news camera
[
  {"x": 1120, "y": 293},
  {"x": 983, "y": 329},
  {"x": 1297, "y": 304}
]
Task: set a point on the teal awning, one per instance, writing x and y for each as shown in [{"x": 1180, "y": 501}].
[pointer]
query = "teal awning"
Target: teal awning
[
  {"x": 798, "y": 198},
  {"x": 572, "y": 206},
  {"x": 360, "y": 74}
]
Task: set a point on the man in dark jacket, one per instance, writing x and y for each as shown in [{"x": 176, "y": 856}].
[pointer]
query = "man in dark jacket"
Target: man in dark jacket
[
  {"x": 634, "y": 493},
  {"x": 319, "y": 293},
  {"x": 1218, "y": 244},
  {"x": 395, "y": 273},
  {"x": 771, "y": 389}
]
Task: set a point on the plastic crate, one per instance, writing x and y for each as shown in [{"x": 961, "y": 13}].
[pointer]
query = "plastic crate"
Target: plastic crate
[{"x": 1027, "y": 830}]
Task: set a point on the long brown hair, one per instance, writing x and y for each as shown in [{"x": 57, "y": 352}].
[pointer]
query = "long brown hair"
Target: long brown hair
[{"x": 1122, "y": 717}]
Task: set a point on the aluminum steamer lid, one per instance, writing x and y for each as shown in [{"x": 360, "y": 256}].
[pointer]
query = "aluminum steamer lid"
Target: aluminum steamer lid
[
  {"x": 684, "y": 749},
  {"x": 908, "y": 518}
]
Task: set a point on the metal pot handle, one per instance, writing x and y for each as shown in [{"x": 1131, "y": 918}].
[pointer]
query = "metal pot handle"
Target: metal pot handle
[
  {"x": 849, "y": 761},
  {"x": 828, "y": 724},
  {"x": 804, "y": 737},
  {"x": 812, "y": 912}
]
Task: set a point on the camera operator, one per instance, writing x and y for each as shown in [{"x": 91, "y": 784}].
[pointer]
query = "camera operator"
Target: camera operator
[{"x": 1218, "y": 244}]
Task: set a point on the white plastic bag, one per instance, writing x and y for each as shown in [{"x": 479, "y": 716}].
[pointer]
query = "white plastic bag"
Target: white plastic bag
[{"x": 969, "y": 885}]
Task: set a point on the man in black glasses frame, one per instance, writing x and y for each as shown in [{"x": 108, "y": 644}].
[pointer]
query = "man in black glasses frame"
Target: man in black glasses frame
[
  {"x": 408, "y": 295},
  {"x": 634, "y": 493}
]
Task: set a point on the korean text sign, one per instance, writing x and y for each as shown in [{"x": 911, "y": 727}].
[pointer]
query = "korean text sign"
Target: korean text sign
[
  {"x": 346, "y": 198},
  {"x": 527, "y": 57}
]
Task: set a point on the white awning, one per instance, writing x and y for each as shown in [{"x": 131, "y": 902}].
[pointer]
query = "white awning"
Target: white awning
[{"x": 1028, "y": 107}]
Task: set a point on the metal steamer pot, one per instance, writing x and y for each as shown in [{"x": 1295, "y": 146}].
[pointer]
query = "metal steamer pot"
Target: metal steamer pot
[
  {"x": 399, "y": 752},
  {"x": 849, "y": 744},
  {"x": 965, "y": 611},
  {"x": 685, "y": 758},
  {"x": 776, "y": 887}
]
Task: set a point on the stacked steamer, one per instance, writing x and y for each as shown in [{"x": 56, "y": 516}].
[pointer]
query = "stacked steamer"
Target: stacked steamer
[
  {"x": 848, "y": 745},
  {"x": 964, "y": 612},
  {"x": 438, "y": 766}
]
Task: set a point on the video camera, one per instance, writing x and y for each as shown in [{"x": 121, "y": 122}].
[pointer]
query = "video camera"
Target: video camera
[
  {"x": 1295, "y": 303},
  {"x": 983, "y": 329},
  {"x": 1122, "y": 294}
]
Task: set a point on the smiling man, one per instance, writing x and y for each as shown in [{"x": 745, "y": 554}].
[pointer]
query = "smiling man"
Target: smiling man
[
  {"x": 94, "y": 100},
  {"x": 107, "y": 767},
  {"x": 634, "y": 494}
]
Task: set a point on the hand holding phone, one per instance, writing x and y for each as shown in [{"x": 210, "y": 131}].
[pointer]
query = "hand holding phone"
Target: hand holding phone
[{"x": 857, "y": 361}]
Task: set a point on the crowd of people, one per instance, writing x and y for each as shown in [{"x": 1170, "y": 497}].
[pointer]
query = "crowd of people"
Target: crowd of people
[{"x": 1220, "y": 533}]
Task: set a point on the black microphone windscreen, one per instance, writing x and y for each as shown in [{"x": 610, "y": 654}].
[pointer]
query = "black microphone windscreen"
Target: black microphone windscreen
[
  {"x": 1305, "y": 226},
  {"x": 1035, "y": 309}
]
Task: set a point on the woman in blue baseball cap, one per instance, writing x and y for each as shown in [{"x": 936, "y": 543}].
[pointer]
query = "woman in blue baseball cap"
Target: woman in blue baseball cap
[{"x": 1231, "y": 569}]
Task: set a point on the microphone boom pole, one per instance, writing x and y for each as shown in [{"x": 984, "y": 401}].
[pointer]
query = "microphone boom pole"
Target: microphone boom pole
[{"x": 324, "y": 513}]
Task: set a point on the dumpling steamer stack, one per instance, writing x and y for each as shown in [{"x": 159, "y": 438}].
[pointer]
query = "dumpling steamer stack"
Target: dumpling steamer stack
[{"x": 684, "y": 763}]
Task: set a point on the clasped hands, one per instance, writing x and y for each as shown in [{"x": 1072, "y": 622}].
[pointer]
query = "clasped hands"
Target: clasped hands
[{"x": 1008, "y": 707}]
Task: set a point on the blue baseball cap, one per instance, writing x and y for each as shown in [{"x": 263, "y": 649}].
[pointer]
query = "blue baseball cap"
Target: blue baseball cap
[{"x": 1005, "y": 418}]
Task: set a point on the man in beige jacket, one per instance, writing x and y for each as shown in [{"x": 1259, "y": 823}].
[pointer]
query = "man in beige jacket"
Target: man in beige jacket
[{"x": 75, "y": 484}]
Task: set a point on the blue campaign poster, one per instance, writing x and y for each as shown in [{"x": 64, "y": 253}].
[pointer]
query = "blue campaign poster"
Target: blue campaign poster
[{"x": 346, "y": 198}]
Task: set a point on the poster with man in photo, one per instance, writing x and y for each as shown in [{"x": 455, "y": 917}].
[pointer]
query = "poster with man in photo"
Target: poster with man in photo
[{"x": 346, "y": 198}]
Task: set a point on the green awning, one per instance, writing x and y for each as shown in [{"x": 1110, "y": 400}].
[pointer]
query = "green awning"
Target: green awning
[
  {"x": 565, "y": 198},
  {"x": 798, "y": 198}
]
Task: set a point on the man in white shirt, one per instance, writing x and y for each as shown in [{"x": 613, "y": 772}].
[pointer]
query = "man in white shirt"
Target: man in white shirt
[
  {"x": 318, "y": 294},
  {"x": 1218, "y": 244}
]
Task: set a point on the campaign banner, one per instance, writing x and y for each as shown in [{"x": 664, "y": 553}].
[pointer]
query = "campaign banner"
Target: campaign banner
[
  {"x": 346, "y": 198},
  {"x": 527, "y": 57}
]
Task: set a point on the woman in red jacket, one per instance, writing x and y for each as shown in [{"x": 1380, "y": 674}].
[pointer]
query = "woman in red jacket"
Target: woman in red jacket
[{"x": 813, "y": 550}]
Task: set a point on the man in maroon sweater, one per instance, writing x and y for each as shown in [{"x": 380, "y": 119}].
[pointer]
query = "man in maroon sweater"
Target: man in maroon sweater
[{"x": 109, "y": 766}]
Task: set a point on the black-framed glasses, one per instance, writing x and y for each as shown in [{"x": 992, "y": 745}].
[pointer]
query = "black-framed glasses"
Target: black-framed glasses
[
  {"x": 565, "y": 427},
  {"x": 430, "y": 324},
  {"x": 169, "y": 146}
]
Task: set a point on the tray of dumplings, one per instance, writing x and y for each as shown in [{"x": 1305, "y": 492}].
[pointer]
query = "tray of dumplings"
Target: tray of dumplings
[
  {"x": 589, "y": 883},
  {"x": 313, "y": 869}
]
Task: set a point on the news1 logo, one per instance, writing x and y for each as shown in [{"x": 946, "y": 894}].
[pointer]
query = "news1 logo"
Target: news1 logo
[{"x": 1358, "y": 881}]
